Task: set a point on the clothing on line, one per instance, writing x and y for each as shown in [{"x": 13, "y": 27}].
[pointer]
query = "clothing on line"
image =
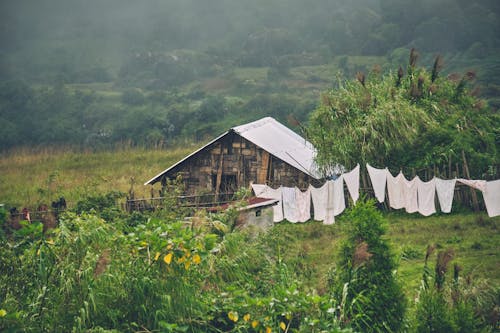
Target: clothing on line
[
  {"x": 264, "y": 191},
  {"x": 303, "y": 204},
  {"x": 410, "y": 190},
  {"x": 378, "y": 178},
  {"x": 395, "y": 190},
  {"x": 351, "y": 179},
  {"x": 491, "y": 196},
  {"x": 290, "y": 211},
  {"x": 426, "y": 196},
  {"x": 445, "y": 190}
]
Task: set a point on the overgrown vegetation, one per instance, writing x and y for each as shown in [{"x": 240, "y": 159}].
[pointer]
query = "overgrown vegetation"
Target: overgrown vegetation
[
  {"x": 409, "y": 119},
  {"x": 156, "y": 271}
]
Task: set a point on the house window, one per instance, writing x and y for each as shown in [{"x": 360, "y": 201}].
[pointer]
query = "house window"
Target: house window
[{"x": 258, "y": 212}]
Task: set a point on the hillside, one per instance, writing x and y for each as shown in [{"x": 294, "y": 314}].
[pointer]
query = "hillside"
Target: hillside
[
  {"x": 291, "y": 265},
  {"x": 94, "y": 74}
]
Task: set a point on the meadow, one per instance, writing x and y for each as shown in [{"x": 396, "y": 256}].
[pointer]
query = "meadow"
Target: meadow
[{"x": 309, "y": 252}]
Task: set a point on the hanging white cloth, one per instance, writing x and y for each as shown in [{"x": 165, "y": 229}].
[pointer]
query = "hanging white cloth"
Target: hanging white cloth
[
  {"x": 303, "y": 204},
  {"x": 338, "y": 196},
  {"x": 264, "y": 191},
  {"x": 395, "y": 190},
  {"x": 378, "y": 178},
  {"x": 426, "y": 196},
  {"x": 445, "y": 190},
  {"x": 330, "y": 203},
  {"x": 290, "y": 211},
  {"x": 319, "y": 198},
  {"x": 491, "y": 197},
  {"x": 477, "y": 184},
  {"x": 411, "y": 195},
  {"x": 352, "y": 181}
]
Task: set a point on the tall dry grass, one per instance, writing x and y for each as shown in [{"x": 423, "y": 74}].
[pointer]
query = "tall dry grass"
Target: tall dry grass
[{"x": 30, "y": 176}]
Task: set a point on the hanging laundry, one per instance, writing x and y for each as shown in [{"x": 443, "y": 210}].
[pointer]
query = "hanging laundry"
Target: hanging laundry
[
  {"x": 290, "y": 211},
  {"x": 330, "y": 203},
  {"x": 395, "y": 190},
  {"x": 264, "y": 191},
  {"x": 491, "y": 197},
  {"x": 378, "y": 178},
  {"x": 477, "y": 184},
  {"x": 338, "y": 196},
  {"x": 352, "y": 181},
  {"x": 426, "y": 196},
  {"x": 319, "y": 198},
  {"x": 411, "y": 195},
  {"x": 303, "y": 204},
  {"x": 445, "y": 190}
]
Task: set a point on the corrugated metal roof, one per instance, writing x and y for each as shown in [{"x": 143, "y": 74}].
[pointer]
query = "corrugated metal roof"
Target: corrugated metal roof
[
  {"x": 273, "y": 137},
  {"x": 282, "y": 142}
]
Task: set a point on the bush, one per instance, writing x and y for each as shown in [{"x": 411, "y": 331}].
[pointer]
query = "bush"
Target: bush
[{"x": 366, "y": 267}]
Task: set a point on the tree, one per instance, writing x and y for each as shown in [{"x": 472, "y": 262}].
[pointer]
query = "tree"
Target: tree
[
  {"x": 417, "y": 119},
  {"x": 376, "y": 300}
]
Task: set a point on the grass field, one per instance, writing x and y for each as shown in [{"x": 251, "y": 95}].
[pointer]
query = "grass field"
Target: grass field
[{"x": 28, "y": 178}]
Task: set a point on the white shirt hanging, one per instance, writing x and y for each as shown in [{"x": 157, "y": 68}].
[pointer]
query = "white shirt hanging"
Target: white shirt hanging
[
  {"x": 303, "y": 204},
  {"x": 426, "y": 197},
  {"x": 445, "y": 190},
  {"x": 378, "y": 178},
  {"x": 352, "y": 181}
]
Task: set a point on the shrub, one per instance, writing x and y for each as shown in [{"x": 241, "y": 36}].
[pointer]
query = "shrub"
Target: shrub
[{"x": 367, "y": 267}]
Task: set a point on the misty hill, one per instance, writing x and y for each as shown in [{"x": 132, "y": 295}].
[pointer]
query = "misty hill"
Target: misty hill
[{"x": 98, "y": 72}]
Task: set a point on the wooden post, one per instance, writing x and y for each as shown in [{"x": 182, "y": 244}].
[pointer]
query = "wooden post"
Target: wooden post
[
  {"x": 219, "y": 174},
  {"x": 473, "y": 193}
]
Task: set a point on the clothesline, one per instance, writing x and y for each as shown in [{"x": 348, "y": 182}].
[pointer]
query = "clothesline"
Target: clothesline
[{"x": 412, "y": 195}]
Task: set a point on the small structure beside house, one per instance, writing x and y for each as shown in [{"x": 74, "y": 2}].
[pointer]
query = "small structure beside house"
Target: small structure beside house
[{"x": 263, "y": 151}]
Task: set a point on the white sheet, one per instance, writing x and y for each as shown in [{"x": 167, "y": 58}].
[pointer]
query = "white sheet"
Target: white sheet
[
  {"x": 378, "y": 178},
  {"x": 352, "y": 181},
  {"x": 426, "y": 196},
  {"x": 411, "y": 195},
  {"x": 319, "y": 198},
  {"x": 395, "y": 190},
  {"x": 491, "y": 197},
  {"x": 445, "y": 190},
  {"x": 338, "y": 196},
  {"x": 264, "y": 191},
  {"x": 303, "y": 204}
]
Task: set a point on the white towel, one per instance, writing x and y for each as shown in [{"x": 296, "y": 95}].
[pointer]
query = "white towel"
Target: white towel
[
  {"x": 303, "y": 204},
  {"x": 290, "y": 211},
  {"x": 330, "y": 203},
  {"x": 264, "y": 191},
  {"x": 378, "y": 178},
  {"x": 338, "y": 196},
  {"x": 477, "y": 184},
  {"x": 395, "y": 190},
  {"x": 491, "y": 197},
  {"x": 445, "y": 190},
  {"x": 319, "y": 199},
  {"x": 411, "y": 195},
  {"x": 426, "y": 196},
  {"x": 352, "y": 181}
]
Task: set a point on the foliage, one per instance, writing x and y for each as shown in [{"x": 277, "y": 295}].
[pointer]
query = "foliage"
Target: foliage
[
  {"x": 396, "y": 120},
  {"x": 366, "y": 269},
  {"x": 460, "y": 305}
]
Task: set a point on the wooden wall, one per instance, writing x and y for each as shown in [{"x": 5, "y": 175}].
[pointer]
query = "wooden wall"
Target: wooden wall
[{"x": 233, "y": 162}]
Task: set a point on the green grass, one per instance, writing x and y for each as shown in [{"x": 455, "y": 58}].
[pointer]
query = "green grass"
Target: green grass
[{"x": 28, "y": 178}]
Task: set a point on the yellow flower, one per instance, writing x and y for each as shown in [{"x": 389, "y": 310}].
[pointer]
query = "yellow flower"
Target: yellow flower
[
  {"x": 157, "y": 255},
  {"x": 168, "y": 258},
  {"x": 169, "y": 247},
  {"x": 233, "y": 315},
  {"x": 283, "y": 326},
  {"x": 246, "y": 317},
  {"x": 3, "y": 313},
  {"x": 144, "y": 243},
  {"x": 50, "y": 241},
  {"x": 196, "y": 258},
  {"x": 255, "y": 323},
  {"x": 268, "y": 329},
  {"x": 187, "y": 264}
]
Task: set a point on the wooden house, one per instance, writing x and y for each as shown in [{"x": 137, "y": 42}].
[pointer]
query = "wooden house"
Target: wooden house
[{"x": 263, "y": 152}]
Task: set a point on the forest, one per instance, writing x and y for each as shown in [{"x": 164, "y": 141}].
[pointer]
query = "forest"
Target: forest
[{"x": 97, "y": 74}]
